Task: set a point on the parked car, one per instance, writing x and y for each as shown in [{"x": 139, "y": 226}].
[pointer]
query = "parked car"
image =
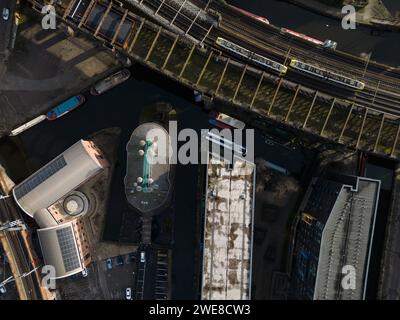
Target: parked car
[
  {"x": 128, "y": 294},
  {"x": 84, "y": 272},
  {"x": 2, "y": 289},
  {"x": 109, "y": 264},
  {"x": 6, "y": 14},
  {"x": 143, "y": 256},
  {"x": 120, "y": 260}
]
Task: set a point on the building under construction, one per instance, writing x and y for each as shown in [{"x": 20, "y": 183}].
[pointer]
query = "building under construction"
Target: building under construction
[
  {"x": 228, "y": 230},
  {"x": 335, "y": 229}
]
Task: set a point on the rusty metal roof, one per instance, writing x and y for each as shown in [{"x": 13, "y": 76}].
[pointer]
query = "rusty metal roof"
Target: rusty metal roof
[{"x": 228, "y": 230}]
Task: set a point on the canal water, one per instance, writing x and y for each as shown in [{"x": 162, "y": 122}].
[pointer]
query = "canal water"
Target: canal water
[
  {"x": 122, "y": 107},
  {"x": 283, "y": 14},
  {"x": 392, "y": 5}
]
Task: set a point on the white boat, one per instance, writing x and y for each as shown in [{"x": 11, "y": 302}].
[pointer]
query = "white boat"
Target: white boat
[
  {"x": 232, "y": 122},
  {"x": 27, "y": 125}
]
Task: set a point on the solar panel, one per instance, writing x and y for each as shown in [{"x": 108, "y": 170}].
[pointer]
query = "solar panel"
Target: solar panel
[
  {"x": 68, "y": 249},
  {"x": 40, "y": 176}
]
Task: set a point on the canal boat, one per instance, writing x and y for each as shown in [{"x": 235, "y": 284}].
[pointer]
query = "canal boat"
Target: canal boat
[
  {"x": 65, "y": 107},
  {"x": 222, "y": 120},
  {"x": 218, "y": 124},
  {"x": 27, "y": 125},
  {"x": 110, "y": 82}
]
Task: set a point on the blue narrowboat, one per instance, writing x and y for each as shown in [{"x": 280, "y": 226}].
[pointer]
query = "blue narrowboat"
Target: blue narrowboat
[{"x": 65, "y": 107}]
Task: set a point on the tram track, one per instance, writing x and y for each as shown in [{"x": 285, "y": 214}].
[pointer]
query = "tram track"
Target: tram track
[{"x": 381, "y": 95}]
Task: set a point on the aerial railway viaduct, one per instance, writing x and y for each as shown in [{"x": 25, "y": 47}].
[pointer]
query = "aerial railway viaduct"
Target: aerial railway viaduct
[{"x": 172, "y": 38}]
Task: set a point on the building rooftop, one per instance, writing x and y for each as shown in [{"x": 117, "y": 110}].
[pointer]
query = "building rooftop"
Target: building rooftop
[
  {"x": 335, "y": 230},
  {"x": 59, "y": 177},
  {"x": 60, "y": 249},
  {"x": 228, "y": 230},
  {"x": 147, "y": 181},
  {"x": 347, "y": 240},
  {"x": 50, "y": 198}
]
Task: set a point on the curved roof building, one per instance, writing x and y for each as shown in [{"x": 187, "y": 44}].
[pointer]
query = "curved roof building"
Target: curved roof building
[
  {"x": 60, "y": 176},
  {"x": 60, "y": 249},
  {"x": 47, "y": 197}
]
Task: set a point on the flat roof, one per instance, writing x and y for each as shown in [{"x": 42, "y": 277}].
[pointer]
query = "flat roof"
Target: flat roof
[{"x": 228, "y": 230}]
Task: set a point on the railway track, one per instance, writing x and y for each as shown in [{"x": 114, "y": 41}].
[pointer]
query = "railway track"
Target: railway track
[
  {"x": 277, "y": 44},
  {"x": 380, "y": 72},
  {"x": 369, "y": 97},
  {"x": 379, "y": 94},
  {"x": 178, "y": 16},
  {"x": 188, "y": 22},
  {"x": 150, "y": 40},
  {"x": 298, "y": 47},
  {"x": 18, "y": 250}
]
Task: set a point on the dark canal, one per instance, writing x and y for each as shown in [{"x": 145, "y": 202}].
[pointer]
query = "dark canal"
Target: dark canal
[{"x": 122, "y": 106}]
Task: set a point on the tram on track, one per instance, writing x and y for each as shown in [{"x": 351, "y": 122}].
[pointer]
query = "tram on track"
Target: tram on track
[
  {"x": 245, "y": 53},
  {"x": 326, "y": 75}
]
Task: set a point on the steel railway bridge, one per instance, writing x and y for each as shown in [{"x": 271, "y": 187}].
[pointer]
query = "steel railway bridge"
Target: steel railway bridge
[{"x": 177, "y": 44}]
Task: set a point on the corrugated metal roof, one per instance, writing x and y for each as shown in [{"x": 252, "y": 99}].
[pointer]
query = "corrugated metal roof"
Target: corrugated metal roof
[{"x": 347, "y": 240}]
